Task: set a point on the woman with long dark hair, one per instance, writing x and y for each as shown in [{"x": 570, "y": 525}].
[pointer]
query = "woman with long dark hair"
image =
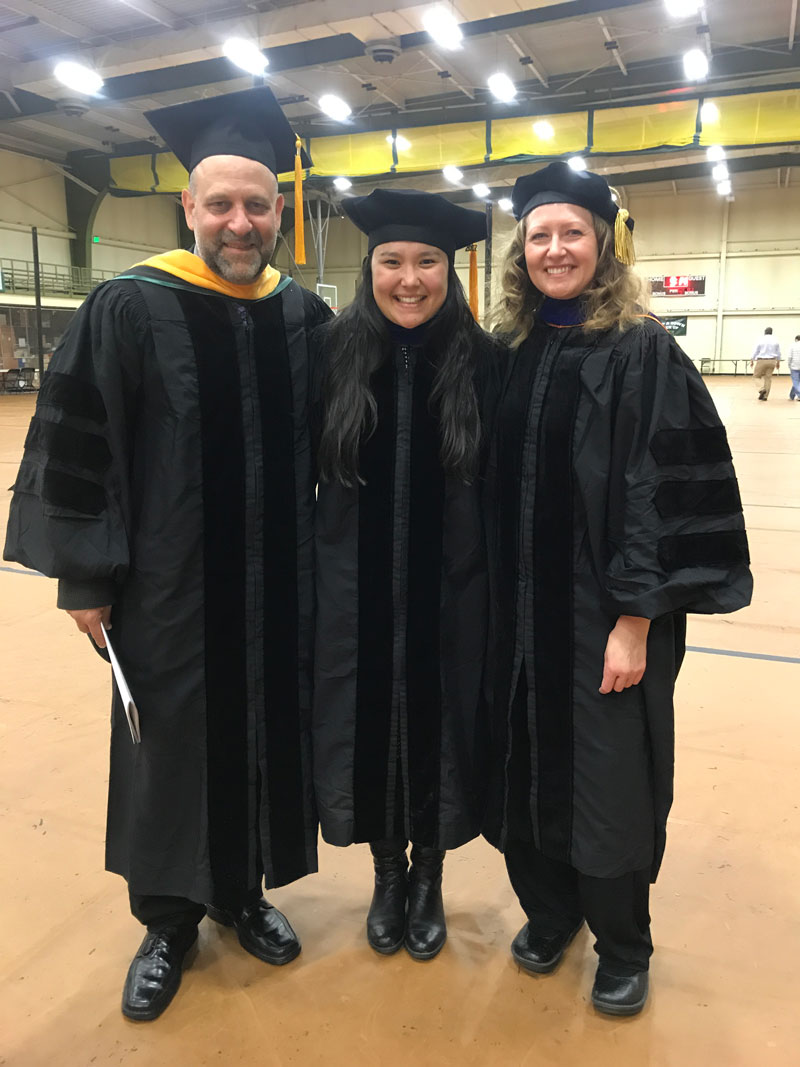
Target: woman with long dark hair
[
  {"x": 614, "y": 510},
  {"x": 401, "y": 383}
]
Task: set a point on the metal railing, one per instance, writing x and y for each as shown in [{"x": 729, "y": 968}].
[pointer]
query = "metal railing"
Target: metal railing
[{"x": 17, "y": 276}]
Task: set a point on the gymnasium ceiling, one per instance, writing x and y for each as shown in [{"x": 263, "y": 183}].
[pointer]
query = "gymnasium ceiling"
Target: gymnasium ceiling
[{"x": 566, "y": 56}]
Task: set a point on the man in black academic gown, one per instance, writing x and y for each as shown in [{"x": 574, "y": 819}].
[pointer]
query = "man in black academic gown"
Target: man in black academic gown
[{"x": 167, "y": 484}]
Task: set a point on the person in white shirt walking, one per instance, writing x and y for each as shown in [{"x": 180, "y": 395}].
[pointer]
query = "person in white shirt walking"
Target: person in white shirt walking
[
  {"x": 794, "y": 368},
  {"x": 765, "y": 362}
]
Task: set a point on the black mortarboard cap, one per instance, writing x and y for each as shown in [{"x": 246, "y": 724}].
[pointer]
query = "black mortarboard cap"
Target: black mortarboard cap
[
  {"x": 558, "y": 183},
  {"x": 411, "y": 215},
  {"x": 249, "y": 124}
]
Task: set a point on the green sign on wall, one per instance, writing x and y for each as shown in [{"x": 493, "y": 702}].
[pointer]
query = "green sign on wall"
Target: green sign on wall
[{"x": 676, "y": 324}]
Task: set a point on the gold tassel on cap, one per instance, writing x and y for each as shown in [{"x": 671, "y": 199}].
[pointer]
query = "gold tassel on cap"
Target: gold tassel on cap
[
  {"x": 299, "y": 221},
  {"x": 623, "y": 239},
  {"x": 473, "y": 280}
]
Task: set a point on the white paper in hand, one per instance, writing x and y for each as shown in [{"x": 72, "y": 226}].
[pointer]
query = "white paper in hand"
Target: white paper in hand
[{"x": 124, "y": 692}]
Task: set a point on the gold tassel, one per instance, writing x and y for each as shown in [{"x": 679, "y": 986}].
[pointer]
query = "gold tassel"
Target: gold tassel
[
  {"x": 299, "y": 221},
  {"x": 473, "y": 280},
  {"x": 623, "y": 239}
]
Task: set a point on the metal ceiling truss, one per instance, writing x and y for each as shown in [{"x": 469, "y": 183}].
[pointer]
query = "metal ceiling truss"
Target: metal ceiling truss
[
  {"x": 665, "y": 173},
  {"x": 649, "y": 81},
  {"x": 742, "y": 69},
  {"x": 338, "y": 48}
]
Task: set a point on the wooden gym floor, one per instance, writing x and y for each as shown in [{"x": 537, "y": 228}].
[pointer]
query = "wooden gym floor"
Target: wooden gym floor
[{"x": 726, "y": 909}]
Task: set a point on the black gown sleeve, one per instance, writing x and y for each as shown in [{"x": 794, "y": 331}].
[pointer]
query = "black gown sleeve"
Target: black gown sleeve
[
  {"x": 68, "y": 515},
  {"x": 675, "y": 528}
]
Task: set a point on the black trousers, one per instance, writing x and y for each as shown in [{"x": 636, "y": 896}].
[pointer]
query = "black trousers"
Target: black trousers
[
  {"x": 157, "y": 913},
  {"x": 555, "y": 897}
]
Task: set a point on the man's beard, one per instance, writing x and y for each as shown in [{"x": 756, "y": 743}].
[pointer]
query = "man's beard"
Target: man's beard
[{"x": 246, "y": 267}]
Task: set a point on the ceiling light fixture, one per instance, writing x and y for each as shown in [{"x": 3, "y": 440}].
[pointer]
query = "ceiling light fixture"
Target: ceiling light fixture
[
  {"x": 334, "y": 107},
  {"x": 481, "y": 190},
  {"x": 453, "y": 174},
  {"x": 505, "y": 204},
  {"x": 77, "y": 77},
  {"x": 399, "y": 141},
  {"x": 577, "y": 163},
  {"x": 342, "y": 184},
  {"x": 720, "y": 172},
  {"x": 502, "y": 87},
  {"x": 441, "y": 24},
  {"x": 709, "y": 113},
  {"x": 682, "y": 9},
  {"x": 724, "y": 188},
  {"x": 246, "y": 55},
  {"x": 543, "y": 130},
  {"x": 695, "y": 65},
  {"x": 715, "y": 153}
]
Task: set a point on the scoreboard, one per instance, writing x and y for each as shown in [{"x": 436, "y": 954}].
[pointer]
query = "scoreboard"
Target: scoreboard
[{"x": 678, "y": 285}]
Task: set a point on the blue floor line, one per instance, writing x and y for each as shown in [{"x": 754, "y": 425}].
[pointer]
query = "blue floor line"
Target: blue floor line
[
  {"x": 19, "y": 570},
  {"x": 742, "y": 655}
]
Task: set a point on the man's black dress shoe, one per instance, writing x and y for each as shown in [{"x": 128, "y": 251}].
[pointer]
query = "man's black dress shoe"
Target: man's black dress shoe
[
  {"x": 263, "y": 930},
  {"x": 155, "y": 972},
  {"x": 619, "y": 995},
  {"x": 540, "y": 955}
]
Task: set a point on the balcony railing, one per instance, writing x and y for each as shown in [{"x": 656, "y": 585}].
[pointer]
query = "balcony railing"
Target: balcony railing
[{"x": 55, "y": 279}]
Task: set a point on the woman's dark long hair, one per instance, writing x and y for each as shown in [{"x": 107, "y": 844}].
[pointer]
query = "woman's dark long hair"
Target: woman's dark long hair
[{"x": 358, "y": 341}]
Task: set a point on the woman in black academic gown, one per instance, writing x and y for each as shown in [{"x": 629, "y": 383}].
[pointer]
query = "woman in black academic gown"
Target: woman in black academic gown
[
  {"x": 613, "y": 511},
  {"x": 401, "y": 381}
]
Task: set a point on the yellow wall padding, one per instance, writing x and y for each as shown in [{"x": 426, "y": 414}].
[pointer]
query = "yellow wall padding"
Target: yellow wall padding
[
  {"x": 172, "y": 176},
  {"x": 358, "y": 153},
  {"x": 761, "y": 118},
  {"x": 133, "y": 173},
  {"x": 636, "y": 129},
  {"x": 434, "y": 147},
  {"x": 515, "y": 137}
]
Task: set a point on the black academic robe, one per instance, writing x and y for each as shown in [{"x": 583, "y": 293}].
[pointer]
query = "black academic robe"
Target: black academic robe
[
  {"x": 168, "y": 472},
  {"x": 610, "y": 492},
  {"x": 399, "y": 720}
]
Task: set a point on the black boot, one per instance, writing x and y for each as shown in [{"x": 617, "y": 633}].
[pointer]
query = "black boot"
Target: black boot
[
  {"x": 386, "y": 921},
  {"x": 426, "y": 931}
]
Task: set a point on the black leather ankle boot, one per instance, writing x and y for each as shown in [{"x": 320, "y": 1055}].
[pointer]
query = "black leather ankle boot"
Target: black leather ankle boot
[
  {"x": 426, "y": 930},
  {"x": 386, "y": 921}
]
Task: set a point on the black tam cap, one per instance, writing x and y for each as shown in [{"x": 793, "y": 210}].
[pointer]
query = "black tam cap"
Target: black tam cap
[
  {"x": 411, "y": 215},
  {"x": 558, "y": 183},
  {"x": 249, "y": 124}
]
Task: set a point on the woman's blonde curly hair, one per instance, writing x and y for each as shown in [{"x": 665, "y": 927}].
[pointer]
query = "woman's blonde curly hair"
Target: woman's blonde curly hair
[{"x": 615, "y": 297}]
